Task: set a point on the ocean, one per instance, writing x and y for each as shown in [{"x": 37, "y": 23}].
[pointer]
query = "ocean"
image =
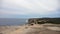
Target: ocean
[{"x": 12, "y": 21}]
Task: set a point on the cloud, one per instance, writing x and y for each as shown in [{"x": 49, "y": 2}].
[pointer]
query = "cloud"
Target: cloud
[
  {"x": 3, "y": 12},
  {"x": 29, "y": 7}
]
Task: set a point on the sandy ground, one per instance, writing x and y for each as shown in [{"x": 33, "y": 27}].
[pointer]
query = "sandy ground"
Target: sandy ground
[{"x": 35, "y": 29}]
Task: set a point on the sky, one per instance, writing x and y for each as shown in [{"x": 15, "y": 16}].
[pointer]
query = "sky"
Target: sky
[{"x": 29, "y": 8}]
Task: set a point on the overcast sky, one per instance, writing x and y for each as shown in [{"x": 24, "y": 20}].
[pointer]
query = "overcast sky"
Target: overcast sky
[{"x": 29, "y": 8}]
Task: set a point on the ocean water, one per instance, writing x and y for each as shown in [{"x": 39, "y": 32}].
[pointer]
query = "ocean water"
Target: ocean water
[{"x": 12, "y": 21}]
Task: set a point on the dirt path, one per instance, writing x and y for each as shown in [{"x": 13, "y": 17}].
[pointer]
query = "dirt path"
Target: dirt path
[{"x": 25, "y": 30}]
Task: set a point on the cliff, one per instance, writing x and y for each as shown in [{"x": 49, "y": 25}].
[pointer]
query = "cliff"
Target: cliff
[{"x": 44, "y": 20}]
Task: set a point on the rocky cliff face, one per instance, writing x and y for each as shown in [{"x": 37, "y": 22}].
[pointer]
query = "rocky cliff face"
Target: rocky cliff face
[{"x": 44, "y": 20}]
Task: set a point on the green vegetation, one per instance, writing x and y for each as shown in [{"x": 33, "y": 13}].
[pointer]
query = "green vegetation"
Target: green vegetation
[{"x": 44, "y": 20}]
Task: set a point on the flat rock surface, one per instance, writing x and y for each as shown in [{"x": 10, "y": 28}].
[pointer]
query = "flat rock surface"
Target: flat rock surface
[{"x": 35, "y": 29}]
